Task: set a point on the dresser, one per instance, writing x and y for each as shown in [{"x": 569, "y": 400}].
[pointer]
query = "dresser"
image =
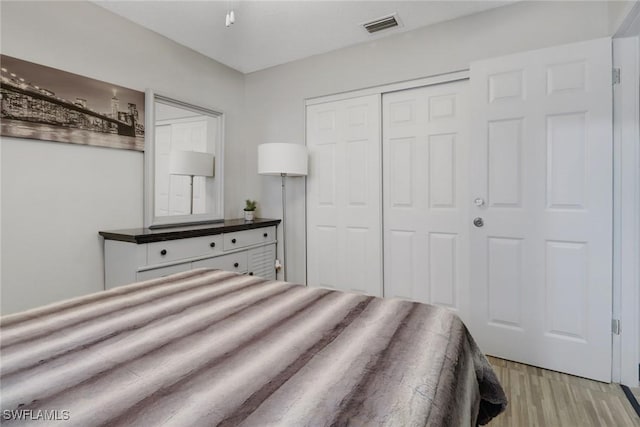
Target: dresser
[{"x": 235, "y": 245}]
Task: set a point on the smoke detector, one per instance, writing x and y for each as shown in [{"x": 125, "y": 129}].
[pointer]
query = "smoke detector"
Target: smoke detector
[{"x": 383, "y": 23}]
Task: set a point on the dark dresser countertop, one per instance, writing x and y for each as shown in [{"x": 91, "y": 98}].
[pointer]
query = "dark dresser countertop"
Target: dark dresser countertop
[{"x": 149, "y": 235}]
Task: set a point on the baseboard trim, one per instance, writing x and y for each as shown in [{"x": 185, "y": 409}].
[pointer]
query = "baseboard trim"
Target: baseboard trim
[{"x": 632, "y": 398}]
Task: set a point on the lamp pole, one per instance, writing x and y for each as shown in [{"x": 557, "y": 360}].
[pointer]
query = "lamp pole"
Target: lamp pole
[
  {"x": 284, "y": 224},
  {"x": 285, "y": 160},
  {"x": 191, "y": 198}
]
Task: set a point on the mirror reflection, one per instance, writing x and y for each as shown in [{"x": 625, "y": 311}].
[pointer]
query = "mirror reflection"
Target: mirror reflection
[
  {"x": 180, "y": 132},
  {"x": 186, "y": 154}
]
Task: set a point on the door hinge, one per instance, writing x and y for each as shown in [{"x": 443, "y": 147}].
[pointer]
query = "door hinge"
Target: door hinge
[
  {"x": 615, "y": 326},
  {"x": 616, "y": 76}
]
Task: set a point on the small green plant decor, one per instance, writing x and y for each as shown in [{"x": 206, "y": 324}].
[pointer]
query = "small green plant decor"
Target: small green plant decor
[{"x": 249, "y": 209}]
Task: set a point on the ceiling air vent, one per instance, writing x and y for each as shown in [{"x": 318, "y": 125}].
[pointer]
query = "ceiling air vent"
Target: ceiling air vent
[{"x": 380, "y": 24}]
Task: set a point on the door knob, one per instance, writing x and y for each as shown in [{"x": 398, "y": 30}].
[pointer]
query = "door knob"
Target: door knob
[
  {"x": 479, "y": 202},
  {"x": 478, "y": 222}
]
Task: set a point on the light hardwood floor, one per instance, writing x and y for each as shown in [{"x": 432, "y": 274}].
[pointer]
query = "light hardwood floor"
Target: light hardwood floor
[{"x": 538, "y": 397}]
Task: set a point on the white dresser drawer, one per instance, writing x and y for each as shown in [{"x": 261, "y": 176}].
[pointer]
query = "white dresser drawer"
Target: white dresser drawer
[
  {"x": 232, "y": 262},
  {"x": 241, "y": 239},
  {"x": 163, "y": 271},
  {"x": 172, "y": 250}
]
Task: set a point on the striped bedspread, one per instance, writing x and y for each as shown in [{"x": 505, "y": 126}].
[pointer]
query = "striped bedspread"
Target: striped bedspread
[{"x": 210, "y": 347}]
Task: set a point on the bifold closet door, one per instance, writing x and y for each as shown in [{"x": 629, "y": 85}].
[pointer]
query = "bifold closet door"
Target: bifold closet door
[
  {"x": 344, "y": 233},
  {"x": 541, "y": 261},
  {"x": 425, "y": 187}
]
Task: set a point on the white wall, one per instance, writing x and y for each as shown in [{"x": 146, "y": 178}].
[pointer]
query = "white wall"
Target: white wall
[
  {"x": 619, "y": 11},
  {"x": 274, "y": 98},
  {"x": 56, "y": 197}
]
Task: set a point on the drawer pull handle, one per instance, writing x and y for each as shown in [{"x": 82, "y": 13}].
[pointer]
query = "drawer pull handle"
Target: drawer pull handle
[
  {"x": 212, "y": 244},
  {"x": 251, "y": 273},
  {"x": 233, "y": 240},
  {"x": 163, "y": 252},
  {"x": 265, "y": 235},
  {"x": 235, "y": 264}
]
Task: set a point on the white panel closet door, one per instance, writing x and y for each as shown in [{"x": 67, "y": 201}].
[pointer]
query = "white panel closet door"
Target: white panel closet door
[
  {"x": 344, "y": 233},
  {"x": 541, "y": 155},
  {"x": 425, "y": 187}
]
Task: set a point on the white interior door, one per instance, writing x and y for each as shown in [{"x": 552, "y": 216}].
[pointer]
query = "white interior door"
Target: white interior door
[
  {"x": 425, "y": 187},
  {"x": 541, "y": 263},
  {"x": 344, "y": 233}
]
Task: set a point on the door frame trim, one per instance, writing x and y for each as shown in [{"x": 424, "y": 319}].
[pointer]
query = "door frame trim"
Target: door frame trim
[
  {"x": 435, "y": 79},
  {"x": 626, "y": 211}
]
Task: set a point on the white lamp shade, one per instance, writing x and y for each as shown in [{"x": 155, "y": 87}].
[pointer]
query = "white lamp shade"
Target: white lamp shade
[
  {"x": 192, "y": 163},
  {"x": 281, "y": 158}
]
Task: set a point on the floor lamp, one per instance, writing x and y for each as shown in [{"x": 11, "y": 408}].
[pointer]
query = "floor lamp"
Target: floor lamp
[
  {"x": 191, "y": 163},
  {"x": 284, "y": 160}
]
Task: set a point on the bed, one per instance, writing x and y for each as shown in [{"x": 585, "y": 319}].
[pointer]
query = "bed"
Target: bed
[{"x": 211, "y": 347}]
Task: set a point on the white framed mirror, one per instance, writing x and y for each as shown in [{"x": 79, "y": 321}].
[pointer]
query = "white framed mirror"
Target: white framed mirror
[{"x": 183, "y": 162}]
